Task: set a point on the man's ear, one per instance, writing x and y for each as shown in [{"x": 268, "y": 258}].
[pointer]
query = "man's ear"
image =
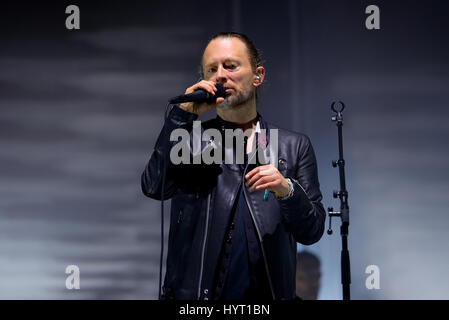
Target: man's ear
[{"x": 259, "y": 77}]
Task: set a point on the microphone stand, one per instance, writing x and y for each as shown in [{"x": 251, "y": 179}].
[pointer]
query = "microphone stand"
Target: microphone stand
[{"x": 344, "y": 208}]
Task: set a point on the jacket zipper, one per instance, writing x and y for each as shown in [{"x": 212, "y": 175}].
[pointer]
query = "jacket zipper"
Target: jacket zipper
[
  {"x": 257, "y": 227},
  {"x": 204, "y": 247},
  {"x": 261, "y": 243}
]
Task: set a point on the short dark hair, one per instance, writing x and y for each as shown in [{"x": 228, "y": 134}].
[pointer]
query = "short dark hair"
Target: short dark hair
[{"x": 253, "y": 53}]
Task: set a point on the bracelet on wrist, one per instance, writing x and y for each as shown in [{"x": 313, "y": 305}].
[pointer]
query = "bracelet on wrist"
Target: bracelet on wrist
[{"x": 290, "y": 190}]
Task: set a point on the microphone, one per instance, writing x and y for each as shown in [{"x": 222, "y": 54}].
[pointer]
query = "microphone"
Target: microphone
[{"x": 200, "y": 96}]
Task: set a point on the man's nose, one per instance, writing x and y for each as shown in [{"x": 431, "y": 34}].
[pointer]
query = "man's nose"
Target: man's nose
[{"x": 221, "y": 75}]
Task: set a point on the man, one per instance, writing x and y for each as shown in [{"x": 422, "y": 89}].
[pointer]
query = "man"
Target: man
[{"x": 229, "y": 238}]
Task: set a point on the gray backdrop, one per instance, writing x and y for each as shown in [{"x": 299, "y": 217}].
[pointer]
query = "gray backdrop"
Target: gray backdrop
[{"x": 80, "y": 111}]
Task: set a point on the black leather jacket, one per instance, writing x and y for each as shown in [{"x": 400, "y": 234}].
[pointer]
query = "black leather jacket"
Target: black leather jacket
[{"x": 202, "y": 196}]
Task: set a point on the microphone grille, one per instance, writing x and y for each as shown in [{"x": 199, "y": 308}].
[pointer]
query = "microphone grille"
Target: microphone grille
[{"x": 221, "y": 91}]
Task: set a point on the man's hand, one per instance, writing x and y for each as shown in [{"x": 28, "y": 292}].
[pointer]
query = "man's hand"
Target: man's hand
[
  {"x": 199, "y": 108},
  {"x": 267, "y": 177}
]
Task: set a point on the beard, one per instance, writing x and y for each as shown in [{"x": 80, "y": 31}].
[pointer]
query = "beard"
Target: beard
[{"x": 237, "y": 100}]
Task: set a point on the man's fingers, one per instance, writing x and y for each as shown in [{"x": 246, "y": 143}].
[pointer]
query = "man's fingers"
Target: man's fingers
[
  {"x": 268, "y": 171},
  {"x": 211, "y": 85},
  {"x": 260, "y": 181},
  {"x": 256, "y": 173},
  {"x": 208, "y": 86},
  {"x": 256, "y": 170},
  {"x": 265, "y": 179},
  {"x": 253, "y": 179},
  {"x": 219, "y": 100},
  {"x": 267, "y": 185},
  {"x": 199, "y": 108},
  {"x": 252, "y": 172}
]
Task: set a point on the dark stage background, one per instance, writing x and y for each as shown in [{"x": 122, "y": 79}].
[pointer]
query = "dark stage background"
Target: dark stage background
[{"x": 80, "y": 111}]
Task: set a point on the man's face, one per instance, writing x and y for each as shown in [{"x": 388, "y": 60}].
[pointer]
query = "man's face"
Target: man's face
[{"x": 226, "y": 61}]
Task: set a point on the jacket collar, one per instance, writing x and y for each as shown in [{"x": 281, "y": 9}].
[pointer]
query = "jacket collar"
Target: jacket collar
[
  {"x": 263, "y": 139},
  {"x": 231, "y": 125}
]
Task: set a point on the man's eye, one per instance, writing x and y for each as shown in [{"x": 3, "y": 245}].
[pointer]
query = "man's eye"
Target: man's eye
[{"x": 211, "y": 70}]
